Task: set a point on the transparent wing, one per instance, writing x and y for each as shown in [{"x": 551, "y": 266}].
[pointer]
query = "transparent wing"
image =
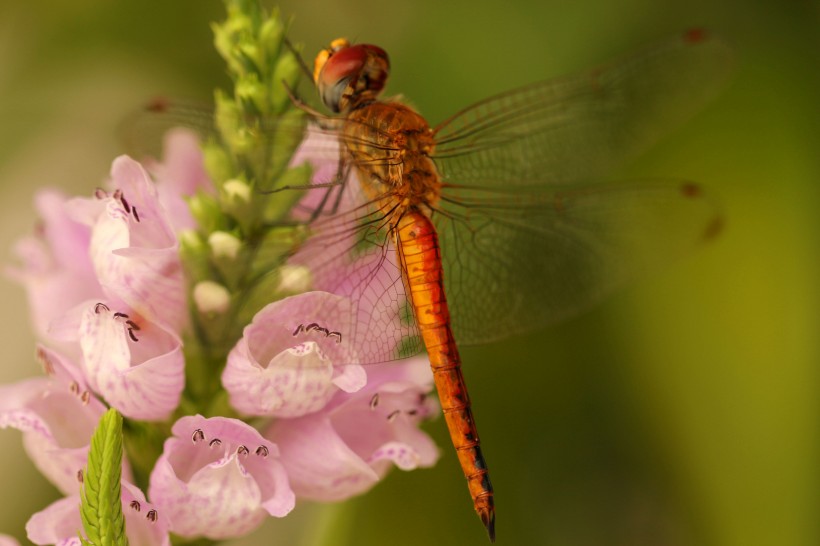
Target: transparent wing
[
  {"x": 142, "y": 132},
  {"x": 524, "y": 241},
  {"x": 512, "y": 262},
  {"x": 516, "y": 262},
  {"x": 353, "y": 254},
  {"x": 576, "y": 129}
]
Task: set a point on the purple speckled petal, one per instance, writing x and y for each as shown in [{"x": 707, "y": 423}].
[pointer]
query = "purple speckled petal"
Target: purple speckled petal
[
  {"x": 284, "y": 367},
  {"x": 295, "y": 382},
  {"x": 135, "y": 254},
  {"x": 350, "y": 445},
  {"x": 57, "y": 416},
  {"x": 401, "y": 454},
  {"x": 143, "y": 379},
  {"x": 218, "y": 478},
  {"x": 60, "y": 522}
]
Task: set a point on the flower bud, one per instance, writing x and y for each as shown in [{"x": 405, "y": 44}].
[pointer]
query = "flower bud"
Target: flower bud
[
  {"x": 286, "y": 72},
  {"x": 211, "y": 298},
  {"x": 195, "y": 255},
  {"x": 228, "y": 37},
  {"x": 271, "y": 34},
  {"x": 224, "y": 245},
  {"x": 237, "y": 190},
  {"x": 294, "y": 279},
  {"x": 252, "y": 94},
  {"x": 217, "y": 163},
  {"x": 206, "y": 211}
]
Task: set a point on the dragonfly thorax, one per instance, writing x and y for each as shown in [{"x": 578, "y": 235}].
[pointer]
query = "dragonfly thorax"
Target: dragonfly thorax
[{"x": 390, "y": 145}]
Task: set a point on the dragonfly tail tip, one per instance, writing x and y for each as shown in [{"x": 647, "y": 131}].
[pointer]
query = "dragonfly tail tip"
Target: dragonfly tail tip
[{"x": 488, "y": 519}]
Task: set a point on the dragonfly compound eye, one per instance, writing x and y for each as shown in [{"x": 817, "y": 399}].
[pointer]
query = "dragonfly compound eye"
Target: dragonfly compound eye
[{"x": 349, "y": 76}]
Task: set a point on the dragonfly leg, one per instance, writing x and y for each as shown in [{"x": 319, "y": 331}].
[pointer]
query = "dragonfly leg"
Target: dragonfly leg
[
  {"x": 322, "y": 120},
  {"x": 302, "y": 64},
  {"x": 338, "y": 180},
  {"x": 342, "y": 172}
]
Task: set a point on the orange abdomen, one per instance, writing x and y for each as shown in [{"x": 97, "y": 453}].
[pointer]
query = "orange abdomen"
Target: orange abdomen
[{"x": 418, "y": 249}]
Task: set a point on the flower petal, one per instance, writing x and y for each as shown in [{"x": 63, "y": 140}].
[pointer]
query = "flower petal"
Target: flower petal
[
  {"x": 56, "y": 269},
  {"x": 136, "y": 365},
  {"x": 319, "y": 463},
  {"x": 60, "y": 522},
  {"x": 349, "y": 378},
  {"x": 351, "y": 444},
  {"x": 6, "y": 540},
  {"x": 320, "y": 150},
  {"x": 288, "y": 364},
  {"x": 57, "y": 522},
  {"x": 144, "y": 524},
  {"x": 181, "y": 174},
  {"x": 57, "y": 417},
  {"x": 134, "y": 250},
  {"x": 218, "y": 478}
]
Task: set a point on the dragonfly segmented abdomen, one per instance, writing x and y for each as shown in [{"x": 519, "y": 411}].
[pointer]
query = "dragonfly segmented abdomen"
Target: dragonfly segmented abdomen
[{"x": 417, "y": 246}]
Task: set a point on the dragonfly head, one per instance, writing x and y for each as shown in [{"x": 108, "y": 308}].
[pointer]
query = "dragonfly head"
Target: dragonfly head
[{"x": 348, "y": 76}]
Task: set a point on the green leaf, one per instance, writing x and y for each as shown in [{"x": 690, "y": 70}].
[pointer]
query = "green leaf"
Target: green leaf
[{"x": 101, "y": 505}]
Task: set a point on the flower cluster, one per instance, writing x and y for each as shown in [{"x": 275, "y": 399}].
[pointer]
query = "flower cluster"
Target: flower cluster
[{"x": 138, "y": 297}]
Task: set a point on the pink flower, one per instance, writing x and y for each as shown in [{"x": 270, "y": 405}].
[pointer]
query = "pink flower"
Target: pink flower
[
  {"x": 60, "y": 522},
  {"x": 134, "y": 250},
  {"x": 6, "y": 540},
  {"x": 56, "y": 269},
  {"x": 350, "y": 445},
  {"x": 180, "y": 175},
  {"x": 136, "y": 365},
  {"x": 219, "y": 478},
  {"x": 288, "y": 363},
  {"x": 57, "y": 416},
  {"x": 118, "y": 250}
]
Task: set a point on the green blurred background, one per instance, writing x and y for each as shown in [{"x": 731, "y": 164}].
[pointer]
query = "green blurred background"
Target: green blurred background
[{"x": 683, "y": 411}]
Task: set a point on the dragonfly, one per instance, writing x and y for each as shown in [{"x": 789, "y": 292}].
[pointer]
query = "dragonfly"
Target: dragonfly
[{"x": 494, "y": 222}]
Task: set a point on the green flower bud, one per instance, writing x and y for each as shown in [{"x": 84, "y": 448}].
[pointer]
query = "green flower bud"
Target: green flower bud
[
  {"x": 217, "y": 162},
  {"x": 228, "y": 119},
  {"x": 252, "y": 94},
  {"x": 207, "y": 212},
  {"x": 237, "y": 191},
  {"x": 236, "y": 197},
  {"x": 285, "y": 76},
  {"x": 226, "y": 37},
  {"x": 276, "y": 245},
  {"x": 195, "y": 256},
  {"x": 249, "y": 51},
  {"x": 288, "y": 134},
  {"x": 227, "y": 256},
  {"x": 211, "y": 306},
  {"x": 271, "y": 35}
]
